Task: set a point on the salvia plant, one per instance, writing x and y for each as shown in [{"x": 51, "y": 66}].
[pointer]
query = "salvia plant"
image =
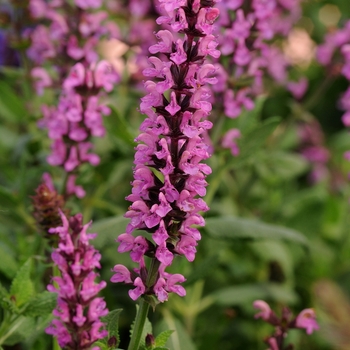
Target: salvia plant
[{"x": 194, "y": 135}]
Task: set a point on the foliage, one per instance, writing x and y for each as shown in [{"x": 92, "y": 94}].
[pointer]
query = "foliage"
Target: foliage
[{"x": 270, "y": 233}]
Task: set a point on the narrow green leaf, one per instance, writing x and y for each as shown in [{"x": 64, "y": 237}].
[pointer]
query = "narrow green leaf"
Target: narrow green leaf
[
  {"x": 247, "y": 293},
  {"x": 22, "y": 288},
  {"x": 162, "y": 338},
  {"x": 41, "y": 305},
  {"x": 21, "y": 329},
  {"x": 232, "y": 228},
  {"x": 160, "y": 348},
  {"x": 179, "y": 340},
  {"x": 119, "y": 128}
]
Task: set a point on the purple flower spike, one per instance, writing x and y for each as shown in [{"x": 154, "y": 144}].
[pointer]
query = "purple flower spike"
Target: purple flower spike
[
  {"x": 169, "y": 173},
  {"x": 67, "y": 41},
  {"x": 77, "y": 324}
]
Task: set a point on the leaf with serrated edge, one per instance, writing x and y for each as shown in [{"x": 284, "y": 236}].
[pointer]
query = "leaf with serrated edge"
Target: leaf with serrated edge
[
  {"x": 112, "y": 321},
  {"x": 42, "y": 304},
  {"x": 22, "y": 288},
  {"x": 163, "y": 337}
]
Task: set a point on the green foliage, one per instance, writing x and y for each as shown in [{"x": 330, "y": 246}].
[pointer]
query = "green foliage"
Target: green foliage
[
  {"x": 112, "y": 322},
  {"x": 162, "y": 338},
  {"x": 246, "y": 294},
  {"x": 41, "y": 304},
  {"x": 22, "y": 288},
  {"x": 271, "y": 234},
  {"x": 232, "y": 228}
]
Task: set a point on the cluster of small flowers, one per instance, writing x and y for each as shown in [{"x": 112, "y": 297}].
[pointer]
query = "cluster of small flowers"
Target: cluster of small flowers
[
  {"x": 168, "y": 173},
  {"x": 306, "y": 319},
  {"x": 77, "y": 324},
  {"x": 312, "y": 148},
  {"x": 77, "y": 117},
  {"x": 247, "y": 51},
  {"x": 72, "y": 35},
  {"x": 335, "y": 43}
]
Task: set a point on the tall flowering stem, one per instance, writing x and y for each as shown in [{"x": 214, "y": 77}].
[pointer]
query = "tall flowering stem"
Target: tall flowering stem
[
  {"x": 68, "y": 45},
  {"x": 169, "y": 175},
  {"x": 77, "y": 324}
]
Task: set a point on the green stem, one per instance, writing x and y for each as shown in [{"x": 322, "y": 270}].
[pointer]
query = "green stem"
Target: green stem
[
  {"x": 315, "y": 97},
  {"x": 15, "y": 324},
  {"x": 139, "y": 325},
  {"x": 144, "y": 307}
]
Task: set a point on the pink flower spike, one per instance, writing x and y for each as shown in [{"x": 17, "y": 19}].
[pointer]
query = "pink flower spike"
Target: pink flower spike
[
  {"x": 264, "y": 308},
  {"x": 307, "y": 319}
]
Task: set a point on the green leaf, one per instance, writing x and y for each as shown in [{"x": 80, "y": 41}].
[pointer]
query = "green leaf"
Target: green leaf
[
  {"x": 112, "y": 320},
  {"x": 22, "y": 329},
  {"x": 11, "y": 105},
  {"x": 162, "y": 338},
  {"x": 119, "y": 128},
  {"x": 41, "y": 305},
  {"x": 247, "y": 293},
  {"x": 282, "y": 166},
  {"x": 179, "y": 340},
  {"x": 252, "y": 142},
  {"x": 232, "y": 228},
  {"x": 8, "y": 265},
  {"x": 102, "y": 344},
  {"x": 108, "y": 230},
  {"x": 160, "y": 348},
  {"x": 22, "y": 288},
  {"x": 202, "y": 269},
  {"x": 249, "y": 119},
  {"x": 7, "y": 199}
]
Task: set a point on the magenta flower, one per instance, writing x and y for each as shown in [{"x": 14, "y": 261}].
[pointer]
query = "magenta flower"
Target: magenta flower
[
  {"x": 77, "y": 323},
  {"x": 265, "y": 310},
  {"x": 246, "y": 39},
  {"x": 165, "y": 203},
  {"x": 307, "y": 320}
]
